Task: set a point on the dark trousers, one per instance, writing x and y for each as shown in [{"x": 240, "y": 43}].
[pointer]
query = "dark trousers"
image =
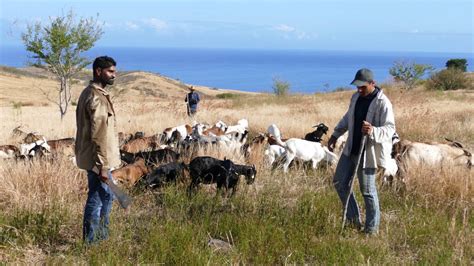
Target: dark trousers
[{"x": 191, "y": 112}]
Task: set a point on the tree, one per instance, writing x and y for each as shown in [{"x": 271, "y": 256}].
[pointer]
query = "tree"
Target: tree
[
  {"x": 457, "y": 63},
  {"x": 57, "y": 47},
  {"x": 280, "y": 87},
  {"x": 448, "y": 79},
  {"x": 409, "y": 73}
]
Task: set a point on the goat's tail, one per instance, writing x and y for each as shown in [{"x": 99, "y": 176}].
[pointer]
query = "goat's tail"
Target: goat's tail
[{"x": 330, "y": 156}]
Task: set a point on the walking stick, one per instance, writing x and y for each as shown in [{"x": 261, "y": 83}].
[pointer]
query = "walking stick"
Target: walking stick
[
  {"x": 351, "y": 181},
  {"x": 188, "y": 109}
]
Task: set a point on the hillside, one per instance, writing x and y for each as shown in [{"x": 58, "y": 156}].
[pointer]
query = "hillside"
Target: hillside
[{"x": 33, "y": 86}]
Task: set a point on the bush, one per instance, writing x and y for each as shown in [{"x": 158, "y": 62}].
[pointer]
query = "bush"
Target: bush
[
  {"x": 409, "y": 73},
  {"x": 343, "y": 88},
  {"x": 457, "y": 63},
  {"x": 280, "y": 87},
  {"x": 227, "y": 95},
  {"x": 448, "y": 79}
]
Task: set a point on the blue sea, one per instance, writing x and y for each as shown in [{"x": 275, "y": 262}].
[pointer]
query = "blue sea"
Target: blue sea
[{"x": 255, "y": 70}]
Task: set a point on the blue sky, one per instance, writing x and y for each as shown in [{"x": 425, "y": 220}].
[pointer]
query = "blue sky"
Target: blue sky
[{"x": 364, "y": 25}]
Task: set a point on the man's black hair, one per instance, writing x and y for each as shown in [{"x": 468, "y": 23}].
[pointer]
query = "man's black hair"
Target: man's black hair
[{"x": 103, "y": 62}]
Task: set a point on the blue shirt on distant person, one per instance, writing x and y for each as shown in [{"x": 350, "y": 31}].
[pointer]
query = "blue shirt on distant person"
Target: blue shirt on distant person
[{"x": 192, "y": 98}]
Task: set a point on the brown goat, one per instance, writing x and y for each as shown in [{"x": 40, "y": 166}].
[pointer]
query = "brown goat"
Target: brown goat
[
  {"x": 141, "y": 144},
  {"x": 64, "y": 146},
  {"x": 130, "y": 174},
  {"x": 214, "y": 131},
  {"x": 9, "y": 151}
]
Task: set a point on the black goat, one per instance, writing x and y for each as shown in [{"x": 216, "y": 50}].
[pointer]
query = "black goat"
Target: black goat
[
  {"x": 317, "y": 135},
  {"x": 210, "y": 170},
  {"x": 165, "y": 173},
  {"x": 248, "y": 171}
]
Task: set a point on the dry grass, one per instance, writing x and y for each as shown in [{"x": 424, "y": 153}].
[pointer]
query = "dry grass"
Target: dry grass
[{"x": 57, "y": 189}]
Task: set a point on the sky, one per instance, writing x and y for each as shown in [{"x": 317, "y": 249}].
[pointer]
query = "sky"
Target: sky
[{"x": 364, "y": 25}]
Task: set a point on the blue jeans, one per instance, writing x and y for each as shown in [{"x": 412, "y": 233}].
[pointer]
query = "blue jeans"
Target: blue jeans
[
  {"x": 97, "y": 210},
  {"x": 366, "y": 176}
]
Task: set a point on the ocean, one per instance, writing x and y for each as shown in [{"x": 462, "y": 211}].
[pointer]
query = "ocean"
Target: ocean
[{"x": 254, "y": 70}]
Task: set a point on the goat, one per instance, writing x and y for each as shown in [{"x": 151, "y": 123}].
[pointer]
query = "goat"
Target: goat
[
  {"x": 302, "y": 149},
  {"x": 124, "y": 138},
  {"x": 433, "y": 155},
  {"x": 210, "y": 170},
  {"x": 9, "y": 152},
  {"x": 317, "y": 135},
  {"x": 37, "y": 148},
  {"x": 184, "y": 130},
  {"x": 130, "y": 174},
  {"x": 141, "y": 144},
  {"x": 249, "y": 171},
  {"x": 64, "y": 146},
  {"x": 165, "y": 173},
  {"x": 152, "y": 158},
  {"x": 247, "y": 148},
  {"x": 273, "y": 152}
]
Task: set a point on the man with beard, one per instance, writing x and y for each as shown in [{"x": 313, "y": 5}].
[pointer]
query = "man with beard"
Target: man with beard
[{"x": 97, "y": 149}]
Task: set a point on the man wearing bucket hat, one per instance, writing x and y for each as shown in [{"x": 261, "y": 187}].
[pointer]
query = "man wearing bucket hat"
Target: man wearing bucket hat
[
  {"x": 371, "y": 125},
  {"x": 192, "y": 100}
]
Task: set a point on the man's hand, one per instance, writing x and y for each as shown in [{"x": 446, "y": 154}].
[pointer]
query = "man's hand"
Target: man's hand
[
  {"x": 367, "y": 128},
  {"x": 103, "y": 175},
  {"x": 332, "y": 143}
]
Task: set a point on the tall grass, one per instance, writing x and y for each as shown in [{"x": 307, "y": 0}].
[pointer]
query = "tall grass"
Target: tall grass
[{"x": 280, "y": 219}]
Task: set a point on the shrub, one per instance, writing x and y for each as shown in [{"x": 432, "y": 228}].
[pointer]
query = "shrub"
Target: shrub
[
  {"x": 457, "y": 63},
  {"x": 343, "y": 88},
  {"x": 409, "y": 73},
  {"x": 280, "y": 87},
  {"x": 448, "y": 79},
  {"x": 227, "y": 96}
]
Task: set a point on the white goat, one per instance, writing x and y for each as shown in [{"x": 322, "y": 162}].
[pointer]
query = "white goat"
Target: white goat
[
  {"x": 302, "y": 149},
  {"x": 273, "y": 152},
  {"x": 432, "y": 155},
  {"x": 28, "y": 149},
  {"x": 184, "y": 131}
]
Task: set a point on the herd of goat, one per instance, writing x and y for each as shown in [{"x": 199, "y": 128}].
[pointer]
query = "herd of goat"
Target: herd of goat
[{"x": 160, "y": 159}]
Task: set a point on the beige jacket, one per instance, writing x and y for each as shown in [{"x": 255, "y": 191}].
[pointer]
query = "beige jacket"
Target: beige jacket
[{"x": 96, "y": 138}]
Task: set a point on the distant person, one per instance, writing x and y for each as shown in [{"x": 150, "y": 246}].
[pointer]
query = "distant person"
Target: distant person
[
  {"x": 370, "y": 113},
  {"x": 97, "y": 148},
  {"x": 192, "y": 99}
]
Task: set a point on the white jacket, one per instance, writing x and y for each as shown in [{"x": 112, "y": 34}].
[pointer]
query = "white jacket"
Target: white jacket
[{"x": 379, "y": 144}]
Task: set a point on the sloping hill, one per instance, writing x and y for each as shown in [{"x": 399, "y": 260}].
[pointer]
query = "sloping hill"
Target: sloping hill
[{"x": 33, "y": 87}]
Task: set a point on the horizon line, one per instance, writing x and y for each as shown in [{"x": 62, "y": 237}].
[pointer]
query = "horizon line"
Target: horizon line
[{"x": 470, "y": 53}]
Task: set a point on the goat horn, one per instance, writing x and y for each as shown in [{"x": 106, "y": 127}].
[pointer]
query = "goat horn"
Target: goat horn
[{"x": 455, "y": 143}]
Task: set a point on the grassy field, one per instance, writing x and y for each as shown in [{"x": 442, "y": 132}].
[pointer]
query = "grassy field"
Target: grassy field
[{"x": 280, "y": 219}]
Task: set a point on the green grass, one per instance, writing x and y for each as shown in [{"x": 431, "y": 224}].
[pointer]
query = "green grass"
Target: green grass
[{"x": 168, "y": 227}]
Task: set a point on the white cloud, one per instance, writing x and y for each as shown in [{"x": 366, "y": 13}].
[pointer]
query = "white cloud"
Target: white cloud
[
  {"x": 131, "y": 26},
  {"x": 156, "y": 24},
  {"x": 289, "y": 32},
  {"x": 284, "y": 28},
  {"x": 414, "y": 31}
]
